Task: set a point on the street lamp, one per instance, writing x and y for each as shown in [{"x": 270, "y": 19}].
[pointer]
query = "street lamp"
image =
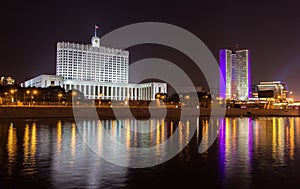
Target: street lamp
[
  {"x": 59, "y": 96},
  {"x": 12, "y": 91},
  {"x": 32, "y": 95},
  {"x": 27, "y": 92},
  {"x": 100, "y": 97}
]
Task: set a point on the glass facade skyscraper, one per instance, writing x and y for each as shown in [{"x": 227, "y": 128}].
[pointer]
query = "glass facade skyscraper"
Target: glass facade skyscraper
[{"x": 235, "y": 70}]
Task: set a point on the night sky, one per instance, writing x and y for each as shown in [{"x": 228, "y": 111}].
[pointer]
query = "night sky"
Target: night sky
[{"x": 271, "y": 31}]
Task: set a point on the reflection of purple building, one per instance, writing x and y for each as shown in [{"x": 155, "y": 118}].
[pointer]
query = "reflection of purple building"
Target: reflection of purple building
[{"x": 235, "y": 69}]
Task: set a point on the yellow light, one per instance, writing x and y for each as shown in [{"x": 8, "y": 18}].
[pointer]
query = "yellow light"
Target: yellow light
[
  {"x": 27, "y": 91},
  {"x": 35, "y": 92},
  {"x": 12, "y": 91}
]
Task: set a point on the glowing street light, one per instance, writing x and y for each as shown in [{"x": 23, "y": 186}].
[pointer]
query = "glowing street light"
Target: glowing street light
[
  {"x": 59, "y": 97},
  {"x": 12, "y": 92},
  {"x": 34, "y": 92},
  {"x": 100, "y": 97}
]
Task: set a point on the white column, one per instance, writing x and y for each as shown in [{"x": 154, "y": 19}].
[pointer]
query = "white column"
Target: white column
[{"x": 135, "y": 93}]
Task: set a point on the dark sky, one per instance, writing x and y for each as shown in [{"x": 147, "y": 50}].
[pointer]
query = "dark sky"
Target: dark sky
[{"x": 269, "y": 29}]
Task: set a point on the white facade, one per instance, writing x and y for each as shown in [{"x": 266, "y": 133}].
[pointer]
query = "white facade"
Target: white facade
[
  {"x": 98, "y": 72},
  {"x": 116, "y": 91},
  {"x": 92, "y": 62},
  {"x": 44, "y": 81}
]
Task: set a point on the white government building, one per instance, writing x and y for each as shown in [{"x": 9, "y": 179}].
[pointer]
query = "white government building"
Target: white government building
[{"x": 98, "y": 72}]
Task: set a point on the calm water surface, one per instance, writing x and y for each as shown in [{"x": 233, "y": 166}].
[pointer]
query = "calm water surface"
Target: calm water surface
[{"x": 248, "y": 153}]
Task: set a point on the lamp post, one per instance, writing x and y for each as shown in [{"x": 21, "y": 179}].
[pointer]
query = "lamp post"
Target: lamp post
[
  {"x": 100, "y": 97},
  {"x": 59, "y": 96},
  {"x": 6, "y": 96},
  {"x": 12, "y": 95},
  {"x": 12, "y": 92},
  {"x": 27, "y": 92},
  {"x": 32, "y": 95}
]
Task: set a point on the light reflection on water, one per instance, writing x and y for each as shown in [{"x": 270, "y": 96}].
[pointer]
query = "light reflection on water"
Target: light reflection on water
[{"x": 247, "y": 153}]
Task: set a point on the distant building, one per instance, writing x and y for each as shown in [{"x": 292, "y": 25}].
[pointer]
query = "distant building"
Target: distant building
[
  {"x": 7, "y": 81},
  {"x": 183, "y": 89},
  {"x": 44, "y": 81},
  {"x": 235, "y": 69},
  {"x": 98, "y": 72},
  {"x": 273, "y": 89}
]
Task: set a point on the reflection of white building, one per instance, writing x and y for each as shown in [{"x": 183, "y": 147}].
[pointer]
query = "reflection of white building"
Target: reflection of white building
[{"x": 96, "y": 71}]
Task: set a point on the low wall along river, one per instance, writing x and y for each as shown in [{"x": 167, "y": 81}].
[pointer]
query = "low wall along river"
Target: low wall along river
[{"x": 67, "y": 112}]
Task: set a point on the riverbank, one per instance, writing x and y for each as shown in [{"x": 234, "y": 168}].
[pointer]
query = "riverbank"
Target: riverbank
[{"x": 143, "y": 112}]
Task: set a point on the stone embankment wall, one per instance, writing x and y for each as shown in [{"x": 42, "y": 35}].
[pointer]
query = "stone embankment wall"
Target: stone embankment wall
[{"x": 67, "y": 112}]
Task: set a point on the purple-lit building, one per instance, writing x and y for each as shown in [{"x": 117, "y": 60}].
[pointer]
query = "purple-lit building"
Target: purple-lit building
[{"x": 235, "y": 69}]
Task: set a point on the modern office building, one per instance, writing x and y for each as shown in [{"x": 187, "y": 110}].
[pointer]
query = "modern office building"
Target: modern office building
[
  {"x": 273, "y": 89},
  {"x": 235, "y": 70},
  {"x": 98, "y": 72}
]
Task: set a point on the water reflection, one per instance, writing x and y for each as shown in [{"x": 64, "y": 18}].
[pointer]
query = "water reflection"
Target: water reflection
[
  {"x": 29, "y": 149},
  {"x": 235, "y": 143},
  {"x": 272, "y": 139},
  {"x": 11, "y": 147},
  {"x": 115, "y": 138},
  {"x": 59, "y": 148}
]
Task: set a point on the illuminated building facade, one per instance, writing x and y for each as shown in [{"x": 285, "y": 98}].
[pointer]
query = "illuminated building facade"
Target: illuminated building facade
[
  {"x": 98, "y": 72},
  {"x": 44, "y": 81},
  {"x": 235, "y": 70},
  {"x": 273, "y": 89},
  {"x": 91, "y": 63}
]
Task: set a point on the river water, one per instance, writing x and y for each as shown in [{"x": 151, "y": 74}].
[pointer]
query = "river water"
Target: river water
[{"x": 53, "y": 153}]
